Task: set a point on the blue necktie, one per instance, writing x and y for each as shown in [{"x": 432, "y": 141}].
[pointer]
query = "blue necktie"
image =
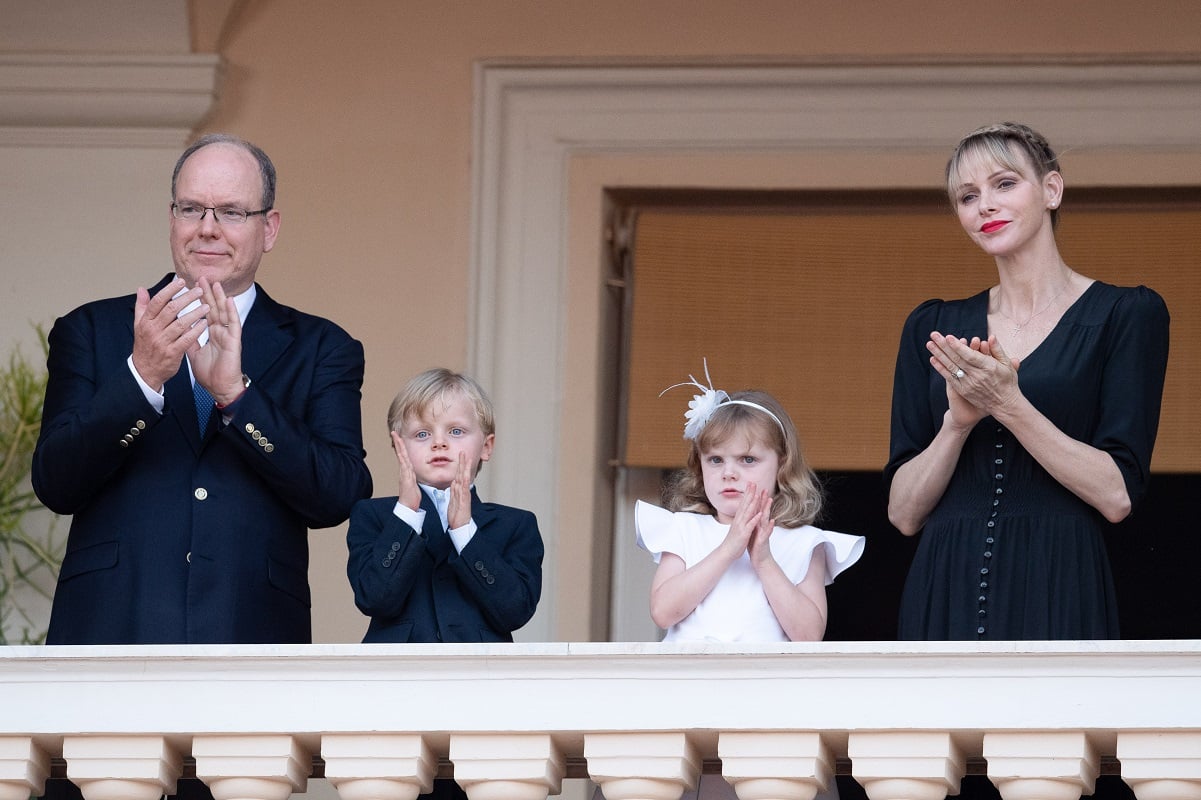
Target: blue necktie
[{"x": 204, "y": 406}]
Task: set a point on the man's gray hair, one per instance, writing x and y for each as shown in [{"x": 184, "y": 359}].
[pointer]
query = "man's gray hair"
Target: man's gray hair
[{"x": 266, "y": 168}]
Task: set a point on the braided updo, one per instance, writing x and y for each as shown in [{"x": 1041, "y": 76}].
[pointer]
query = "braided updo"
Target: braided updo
[{"x": 1012, "y": 145}]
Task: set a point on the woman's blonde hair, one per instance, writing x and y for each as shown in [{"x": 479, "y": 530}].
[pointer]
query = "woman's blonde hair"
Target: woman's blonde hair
[
  {"x": 799, "y": 496},
  {"x": 1010, "y": 144}
]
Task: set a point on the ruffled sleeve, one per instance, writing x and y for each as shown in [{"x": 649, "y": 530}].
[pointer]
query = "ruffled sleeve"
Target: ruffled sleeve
[
  {"x": 793, "y": 549},
  {"x": 842, "y": 550},
  {"x": 657, "y": 530}
]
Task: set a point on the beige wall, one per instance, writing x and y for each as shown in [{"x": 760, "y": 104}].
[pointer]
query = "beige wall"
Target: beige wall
[{"x": 366, "y": 108}]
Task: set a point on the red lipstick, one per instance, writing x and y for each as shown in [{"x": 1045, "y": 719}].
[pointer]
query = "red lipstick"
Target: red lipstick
[{"x": 995, "y": 225}]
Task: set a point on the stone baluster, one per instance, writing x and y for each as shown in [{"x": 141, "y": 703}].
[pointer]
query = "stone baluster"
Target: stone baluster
[
  {"x": 252, "y": 766},
  {"x": 906, "y": 765},
  {"x": 122, "y": 767},
  {"x": 642, "y": 766},
  {"x": 378, "y": 766},
  {"x": 507, "y": 766},
  {"x": 1164, "y": 765},
  {"x": 24, "y": 768},
  {"x": 780, "y": 765},
  {"x": 1042, "y": 765}
]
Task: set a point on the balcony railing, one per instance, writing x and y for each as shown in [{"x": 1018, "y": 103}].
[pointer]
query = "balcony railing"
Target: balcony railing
[{"x": 641, "y": 720}]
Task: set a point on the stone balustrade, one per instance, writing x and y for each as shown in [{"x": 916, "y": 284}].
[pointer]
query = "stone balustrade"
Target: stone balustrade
[{"x": 643, "y": 721}]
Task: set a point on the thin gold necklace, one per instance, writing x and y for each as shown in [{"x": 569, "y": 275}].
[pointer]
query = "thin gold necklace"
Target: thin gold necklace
[{"x": 1018, "y": 327}]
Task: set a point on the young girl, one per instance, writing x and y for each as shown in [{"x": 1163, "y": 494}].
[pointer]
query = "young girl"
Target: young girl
[{"x": 736, "y": 546}]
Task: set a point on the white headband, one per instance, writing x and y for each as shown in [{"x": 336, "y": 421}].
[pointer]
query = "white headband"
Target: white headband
[{"x": 702, "y": 406}]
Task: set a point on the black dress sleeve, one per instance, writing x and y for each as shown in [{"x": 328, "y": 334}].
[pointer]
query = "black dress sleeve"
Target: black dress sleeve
[
  {"x": 1132, "y": 385},
  {"x": 914, "y": 421}
]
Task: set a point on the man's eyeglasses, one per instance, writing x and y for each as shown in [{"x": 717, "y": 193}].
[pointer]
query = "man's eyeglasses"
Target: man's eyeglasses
[{"x": 226, "y": 215}]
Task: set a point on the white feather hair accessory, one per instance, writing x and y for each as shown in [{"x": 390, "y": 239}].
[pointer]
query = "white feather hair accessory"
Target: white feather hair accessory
[{"x": 702, "y": 406}]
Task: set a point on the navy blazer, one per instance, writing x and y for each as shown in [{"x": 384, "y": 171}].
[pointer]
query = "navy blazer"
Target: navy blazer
[
  {"x": 417, "y": 588},
  {"x": 179, "y": 539}
]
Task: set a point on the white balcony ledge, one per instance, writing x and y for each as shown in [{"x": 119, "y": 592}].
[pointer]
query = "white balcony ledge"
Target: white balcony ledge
[{"x": 641, "y": 719}]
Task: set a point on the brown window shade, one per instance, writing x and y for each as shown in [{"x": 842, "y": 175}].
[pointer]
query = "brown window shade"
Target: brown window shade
[{"x": 809, "y": 306}]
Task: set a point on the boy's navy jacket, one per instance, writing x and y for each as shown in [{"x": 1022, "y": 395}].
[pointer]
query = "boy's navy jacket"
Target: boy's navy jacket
[{"x": 416, "y": 588}]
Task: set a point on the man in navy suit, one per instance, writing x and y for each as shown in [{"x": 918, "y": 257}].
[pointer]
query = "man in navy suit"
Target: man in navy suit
[{"x": 197, "y": 430}]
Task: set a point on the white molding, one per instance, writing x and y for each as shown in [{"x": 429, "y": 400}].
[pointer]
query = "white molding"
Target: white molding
[
  {"x": 530, "y": 121},
  {"x": 629, "y": 715},
  {"x": 574, "y": 688},
  {"x": 127, "y": 100}
]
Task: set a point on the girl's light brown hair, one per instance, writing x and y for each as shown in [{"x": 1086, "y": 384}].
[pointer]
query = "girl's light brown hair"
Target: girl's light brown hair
[{"x": 799, "y": 497}]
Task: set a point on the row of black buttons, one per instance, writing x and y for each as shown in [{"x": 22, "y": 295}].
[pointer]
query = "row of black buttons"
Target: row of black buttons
[
  {"x": 487, "y": 576},
  {"x": 989, "y": 539}
]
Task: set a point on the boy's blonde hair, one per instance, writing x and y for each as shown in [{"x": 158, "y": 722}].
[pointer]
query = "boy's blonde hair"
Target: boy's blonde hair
[
  {"x": 799, "y": 495},
  {"x": 433, "y": 386}
]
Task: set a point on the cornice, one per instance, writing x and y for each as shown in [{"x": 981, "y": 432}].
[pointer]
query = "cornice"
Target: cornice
[
  {"x": 98, "y": 100},
  {"x": 1140, "y": 106}
]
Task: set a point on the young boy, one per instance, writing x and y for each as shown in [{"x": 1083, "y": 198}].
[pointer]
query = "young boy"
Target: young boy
[{"x": 435, "y": 564}]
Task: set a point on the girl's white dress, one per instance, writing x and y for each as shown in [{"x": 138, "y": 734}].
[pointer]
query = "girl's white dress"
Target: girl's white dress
[{"x": 737, "y": 609}]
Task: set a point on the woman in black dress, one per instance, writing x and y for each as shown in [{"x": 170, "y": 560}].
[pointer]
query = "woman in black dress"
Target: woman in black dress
[{"x": 1023, "y": 418}]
